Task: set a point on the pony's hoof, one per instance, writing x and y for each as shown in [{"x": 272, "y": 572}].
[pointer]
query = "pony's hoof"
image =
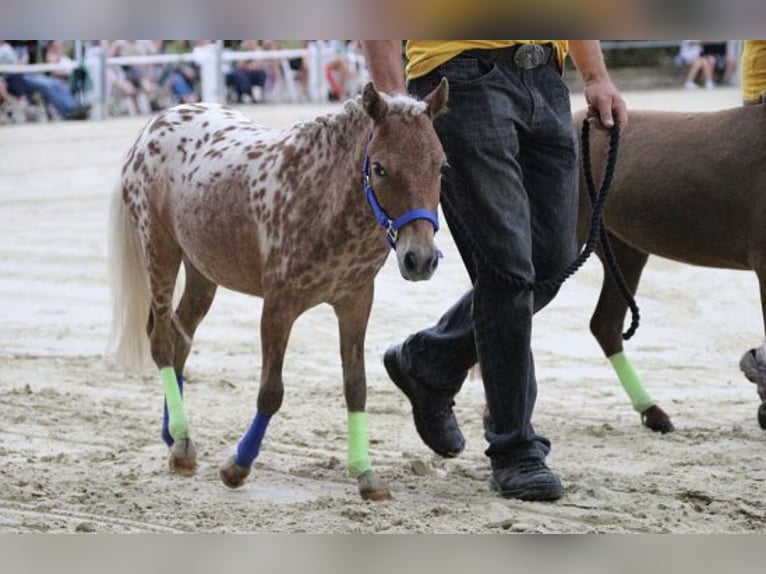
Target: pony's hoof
[
  {"x": 654, "y": 418},
  {"x": 371, "y": 487},
  {"x": 751, "y": 365},
  {"x": 233, "y": 475},
  {"x": 762, "y": 415},
  {"x": 183, "y": 457}
]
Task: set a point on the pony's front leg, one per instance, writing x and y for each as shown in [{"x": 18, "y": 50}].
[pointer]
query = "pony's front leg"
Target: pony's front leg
[
  {"x": 353, "y": 315},
  {"x": 175, "y": 425},
  {"x": 277, "y": 320}
]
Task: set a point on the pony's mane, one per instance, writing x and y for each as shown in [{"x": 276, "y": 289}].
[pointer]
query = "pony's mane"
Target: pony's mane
[
  {"x": 353, "y": 110},
  {"x": 404, "y": 104}
]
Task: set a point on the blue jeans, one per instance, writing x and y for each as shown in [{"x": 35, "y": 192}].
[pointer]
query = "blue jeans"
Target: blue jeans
[
  {"x": 511, "y": 191},
  {"x": 53, "y": 90}
]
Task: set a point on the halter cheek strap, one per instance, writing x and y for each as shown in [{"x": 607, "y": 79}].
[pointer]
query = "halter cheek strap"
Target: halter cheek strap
[{"x": 392, "y": 226}]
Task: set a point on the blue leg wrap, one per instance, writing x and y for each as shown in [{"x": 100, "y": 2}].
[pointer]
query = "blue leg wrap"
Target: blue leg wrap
[
  {"x": 165, "y": 432},
  {"x": 250, "y": 445}
]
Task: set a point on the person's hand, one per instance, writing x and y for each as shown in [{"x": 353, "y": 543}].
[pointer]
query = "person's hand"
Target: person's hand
[{"x": 605, "y": 104}]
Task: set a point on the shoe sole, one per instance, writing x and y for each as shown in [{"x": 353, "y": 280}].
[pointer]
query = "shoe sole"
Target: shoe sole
[
  {"x": 399, "y": 378},
  {"x": 528, "y": 494}
]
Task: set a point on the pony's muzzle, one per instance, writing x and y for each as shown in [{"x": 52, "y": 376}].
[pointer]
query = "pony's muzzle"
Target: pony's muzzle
[{"x": 418, "y": 264}]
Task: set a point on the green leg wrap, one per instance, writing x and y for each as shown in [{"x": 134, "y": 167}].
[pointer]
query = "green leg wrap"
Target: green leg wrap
[
  {"x": 631, "y": 382},
  {"x": 178, "y": 424},
  {"x": 358, "y": 456}
]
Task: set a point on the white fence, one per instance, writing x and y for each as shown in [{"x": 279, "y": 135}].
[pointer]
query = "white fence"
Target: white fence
[{"x": 213, "y": 61}]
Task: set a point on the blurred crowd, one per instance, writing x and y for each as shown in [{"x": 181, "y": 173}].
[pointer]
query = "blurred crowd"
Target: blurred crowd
[{"x": 140, "y": 89}]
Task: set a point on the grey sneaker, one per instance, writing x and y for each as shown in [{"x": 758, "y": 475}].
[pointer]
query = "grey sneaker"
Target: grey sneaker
[
  {"x": 432, "y": 411},
  {"x": 525, "y": 479}
]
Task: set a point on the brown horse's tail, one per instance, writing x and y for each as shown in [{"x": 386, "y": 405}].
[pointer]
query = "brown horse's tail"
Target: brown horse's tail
[{"x": 129, "y": 283}]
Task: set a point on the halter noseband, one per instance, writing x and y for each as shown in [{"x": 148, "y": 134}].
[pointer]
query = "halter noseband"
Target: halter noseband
[{"x": 392, "y": 226}]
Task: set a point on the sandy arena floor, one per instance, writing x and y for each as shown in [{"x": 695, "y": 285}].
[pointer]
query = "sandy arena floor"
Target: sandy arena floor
[{"x": 79, "y": 442}]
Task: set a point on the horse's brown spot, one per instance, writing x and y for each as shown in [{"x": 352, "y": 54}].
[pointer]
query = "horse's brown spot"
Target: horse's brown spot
[
  {"x": 159, "y": 123},
  {"x": 139, "y": 161}
]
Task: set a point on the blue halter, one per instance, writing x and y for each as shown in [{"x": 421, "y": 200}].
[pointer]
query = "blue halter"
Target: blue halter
[{"x": 392, "y": 226}]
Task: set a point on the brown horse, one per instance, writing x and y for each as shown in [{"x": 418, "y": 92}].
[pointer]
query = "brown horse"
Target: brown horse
[
  {"x": 280, "y": 214},
  {"x": 707, "y": 208}
]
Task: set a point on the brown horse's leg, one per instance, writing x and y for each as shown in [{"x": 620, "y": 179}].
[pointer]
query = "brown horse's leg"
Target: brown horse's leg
[
  {"x": 277, "y": 318},
  {"x": 353, "y": 314},
  {"x": 163, "y": 258},
  {"x": 607, "y": 324},
  {"x": 753, "y": 362}
]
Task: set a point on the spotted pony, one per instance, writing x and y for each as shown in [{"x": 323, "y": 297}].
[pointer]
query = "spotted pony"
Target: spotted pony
[{"x": 291, "y": 215}]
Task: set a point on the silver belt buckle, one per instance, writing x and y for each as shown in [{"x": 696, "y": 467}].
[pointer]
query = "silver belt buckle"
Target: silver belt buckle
[{"x": 529, "y": 56}]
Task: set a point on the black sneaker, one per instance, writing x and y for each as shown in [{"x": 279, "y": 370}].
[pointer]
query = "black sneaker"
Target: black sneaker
[
  {"x": 432, "y": 411},
  {"x": 525, "y": 479}
]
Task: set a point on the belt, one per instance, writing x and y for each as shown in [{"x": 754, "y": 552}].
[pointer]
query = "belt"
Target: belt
[{"x": 524, "y": 56}]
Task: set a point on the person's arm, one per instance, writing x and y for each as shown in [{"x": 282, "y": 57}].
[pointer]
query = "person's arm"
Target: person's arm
[
  {"x": 605, "y": 103},
  {"x": 384, "y": 61}
]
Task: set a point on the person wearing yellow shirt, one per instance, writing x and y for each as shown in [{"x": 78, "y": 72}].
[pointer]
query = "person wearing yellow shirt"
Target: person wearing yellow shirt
[
  {"x": 510, "y": 199},
  {"x": 754, "y": 72}
]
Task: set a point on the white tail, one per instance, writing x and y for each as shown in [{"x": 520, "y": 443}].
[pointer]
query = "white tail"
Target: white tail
[{"x": 129, "y": 283}]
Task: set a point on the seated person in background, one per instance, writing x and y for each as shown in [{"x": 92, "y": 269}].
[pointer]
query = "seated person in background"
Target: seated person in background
[
  {"x": 298, "y": 65},
  {"x": 55, "y": 54},
  {"x": 144, "y": 77},
  {"x": 53, "y": 90},
  {"x": 183, "y": 82},
  {"x": 754, "y": 72},
  {"x": 251, "y": 79},
  {"x": 691, "y": 55},
  {"x": 339, "y": 73},
  {"x": 5, "y": 95},
  {"x": 724, "y": 64}
]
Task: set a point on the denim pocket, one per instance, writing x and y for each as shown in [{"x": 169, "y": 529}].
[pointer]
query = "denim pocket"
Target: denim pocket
[{"x": 464, "y": 72}]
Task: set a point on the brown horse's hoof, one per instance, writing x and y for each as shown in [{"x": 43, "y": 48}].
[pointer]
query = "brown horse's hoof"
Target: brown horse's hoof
[
  {"x": 762, "y": 415},
  {"x": 655, "y": 419},
  {"x": 233, "y": 475},
  {"x": 183, "y": 457},
  {"x": 371, "y": 487}
]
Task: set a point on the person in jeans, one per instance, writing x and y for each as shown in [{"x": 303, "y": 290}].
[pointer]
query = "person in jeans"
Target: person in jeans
[
  {"x": 510, "y": 199},
  {"x": 53, "y": 90}
]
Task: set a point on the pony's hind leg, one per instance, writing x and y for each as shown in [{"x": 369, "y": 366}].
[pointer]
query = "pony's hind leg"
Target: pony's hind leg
[
  {"x": 277, "y": 318},
  {"x": 353, "y": 315},
  {"x": 607, "y": 323},
  {"x": 163, "y": 258},
  {"x": 198, "y": 296}
]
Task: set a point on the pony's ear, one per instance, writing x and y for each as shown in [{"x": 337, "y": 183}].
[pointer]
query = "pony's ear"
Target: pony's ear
[
  {"x": 437, "y": 99},
  {"x": 375, "y": 106}
]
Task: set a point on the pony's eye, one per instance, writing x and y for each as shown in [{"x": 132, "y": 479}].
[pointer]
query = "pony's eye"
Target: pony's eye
[
  {"x": 444, "y": 169},
  {"x": 378, "y": 170}
]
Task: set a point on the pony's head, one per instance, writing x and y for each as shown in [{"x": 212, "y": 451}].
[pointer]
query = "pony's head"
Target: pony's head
[{"x": 405, "y": 163}]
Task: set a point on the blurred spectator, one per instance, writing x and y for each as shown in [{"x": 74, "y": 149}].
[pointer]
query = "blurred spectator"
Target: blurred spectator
[
  {"x": 183, "y": 79},
  {"x": 56, "y": 54},
  {"x": 754, "y": 72},
  {"x": 52, "y": 90},
  {"x": 690, "y": 55},
  {"x": 724, "y": 63},
  {"x": 5, "y": 95},
  {"x": 143, "y": 77},
  {"x": 298, "y": 65},
  {"x": 340, "y": 75},
  {"x": 252, "y": 79}
]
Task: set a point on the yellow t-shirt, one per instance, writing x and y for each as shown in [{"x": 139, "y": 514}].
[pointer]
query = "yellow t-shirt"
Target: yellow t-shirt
[
  {"x": 424, "y": 56},
  {"x": 753, "y": 70}
]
